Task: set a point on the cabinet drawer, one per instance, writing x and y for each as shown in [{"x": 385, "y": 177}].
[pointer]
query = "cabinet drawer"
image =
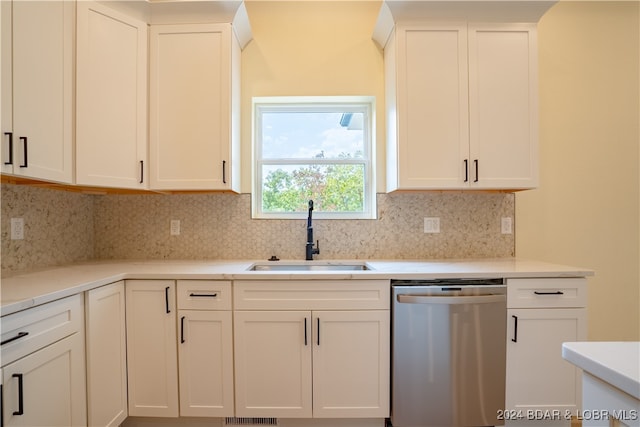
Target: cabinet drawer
[
  {"x": 311, "y": 295},
  {"x": 204, "y": 295},
  {"x": 545, "y": 293},
  {"x": 40, "y": 326}
]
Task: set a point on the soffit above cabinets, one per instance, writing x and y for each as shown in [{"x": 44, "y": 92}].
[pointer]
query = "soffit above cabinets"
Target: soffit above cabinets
[
  {"x": 393, "y": 11},
  {"x": 189, "y": 12}
]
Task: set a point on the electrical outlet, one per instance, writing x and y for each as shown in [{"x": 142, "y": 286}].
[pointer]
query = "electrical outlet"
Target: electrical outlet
[
  {"x": 175, "y": 227},
  {"x": 507, "y": 225},
  {"x": 17, "y": 228},
  {"x": 432, "y": 225}
]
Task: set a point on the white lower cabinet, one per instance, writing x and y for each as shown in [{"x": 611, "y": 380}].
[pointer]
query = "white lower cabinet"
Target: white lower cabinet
[
  {"x": 46, "y": 388},
  {"x": 106, "y": 355},
  {"x": 330, "y": 360},
  {"x": 152, "y": 361},
  {"x": 205, "y": 348},
  {"x": 43, "y": 376},
  {"x": 541, "y": 387},
  {"x": 273, "y": 364},
  {"x": 351, "y": 364}
]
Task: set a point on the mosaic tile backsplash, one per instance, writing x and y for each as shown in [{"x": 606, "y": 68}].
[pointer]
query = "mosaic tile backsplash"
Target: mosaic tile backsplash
[
  {"x": 62, "y": 227},
  {"x": 58, "y": 227}
]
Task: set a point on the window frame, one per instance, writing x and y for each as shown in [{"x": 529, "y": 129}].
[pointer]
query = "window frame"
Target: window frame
[{"x": 364, "y": 104}]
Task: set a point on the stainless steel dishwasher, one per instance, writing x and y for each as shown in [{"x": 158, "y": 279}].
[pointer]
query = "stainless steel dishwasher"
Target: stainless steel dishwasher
[{"x": 448, "y": 352}]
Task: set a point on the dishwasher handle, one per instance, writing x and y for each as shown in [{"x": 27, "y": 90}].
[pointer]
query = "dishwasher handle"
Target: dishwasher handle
[{"x": 451, "y": 300}]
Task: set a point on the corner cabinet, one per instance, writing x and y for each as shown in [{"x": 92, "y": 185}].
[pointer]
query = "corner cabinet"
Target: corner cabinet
[
  {"x": 462, "y": 106},
  {"x": 312, "y": 349},
  {"x": 194, "y": 107},
  {"x": 111, "y": 98},
  {"x": 541, "y": 315},
  {"x": 38, "y": 89},
  {"x": 106, "y": 348}
]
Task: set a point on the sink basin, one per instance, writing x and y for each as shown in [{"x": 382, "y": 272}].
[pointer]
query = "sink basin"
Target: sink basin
[{"x": 310, "y": 266}]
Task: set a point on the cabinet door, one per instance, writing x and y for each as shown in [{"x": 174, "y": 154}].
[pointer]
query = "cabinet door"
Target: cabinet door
[
  {"x": 152, "y": 364},
  {"x": 537, "y": 375},
  {"x": 6, "y": 90},
  {"x": 190, "y": 92},
  {"x": 111, "y": 96},
  {"x": 106, "y": 356},
  {"x": 273, "y": 363},
  {"x": 51, "y": 385},
  {"x": 503, "y": 105},
  {"x": 433, "y": 133},
  {"x": 351, "y": 364},
  {"x": 42, "y": 61},
  {"x": 205, "y": 353}
]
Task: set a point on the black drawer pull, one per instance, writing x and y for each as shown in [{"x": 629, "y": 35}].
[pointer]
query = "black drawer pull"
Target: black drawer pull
[
  {"x": 24, "y": 144},
  {"x": 203, "y": 295},
  {"x": 166, "y": 299},
  {"x": 224, "y": 171},
  {"x": 466, "y": 170},
  {"x": 10, "y": 135},
  {"x": 20, "y": 410},
  {"x": 477, "y": 172},
  {"x": 305, "y": 331},
  {"x": 515, "y": 329},
  {"x": 548, "y": 293},
  {"x": 17, "y": 337}
]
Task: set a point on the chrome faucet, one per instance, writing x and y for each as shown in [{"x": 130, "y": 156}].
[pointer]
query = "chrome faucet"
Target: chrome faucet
[{"x": 309, "y": 247}]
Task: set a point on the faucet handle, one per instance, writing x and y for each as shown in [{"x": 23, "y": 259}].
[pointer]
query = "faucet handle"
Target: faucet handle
[{"x": 317, "y": 249}]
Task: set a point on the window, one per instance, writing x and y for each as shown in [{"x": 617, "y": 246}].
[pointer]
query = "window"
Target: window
[{"x": 316, "y": 149}]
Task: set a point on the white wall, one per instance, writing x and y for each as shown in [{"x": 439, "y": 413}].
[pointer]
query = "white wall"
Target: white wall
[{"x": 586, "y": 210}]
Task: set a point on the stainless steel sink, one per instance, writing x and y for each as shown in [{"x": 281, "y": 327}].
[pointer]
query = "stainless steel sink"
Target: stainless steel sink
[{"x": 315, "y": 266}]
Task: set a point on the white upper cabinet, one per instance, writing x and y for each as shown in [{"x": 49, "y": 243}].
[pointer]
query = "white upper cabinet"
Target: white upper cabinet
[
  {"x": 461, "y": 95},
  {"x": 428, "y": 81},
  {"x": 194, "y": 107},
  {"x": 503, "y": 106},
  {"x": 111, "y": 109},
  {"x": 37, "y": 89}
]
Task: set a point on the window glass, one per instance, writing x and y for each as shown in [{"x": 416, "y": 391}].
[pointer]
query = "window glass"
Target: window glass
[{"x": 310, "y": 150}]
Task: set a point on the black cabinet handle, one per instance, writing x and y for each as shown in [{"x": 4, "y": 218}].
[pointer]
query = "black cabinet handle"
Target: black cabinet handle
[
  {"x": 141, "y": 171},
  {"x": 166, "y": 299},
  {"x": 182, "y": 329},
  {"x": 548, "y": 293},
  {"x": 224, "y": 171},
  {"x": 10, "y": 135},
  {"x": 466, "y": 170},
  {"x": 26, "y": 150},
  {"x": 515, "y": 329},
  {"x": 476, "y": 164},
  {"x": 305, "y": 331},
  {"x": 318, "y": 339},
  {"x": 203, "y": 295},
  {"x": 20, "y": 410},
  {"x": 17, "y": 337}
]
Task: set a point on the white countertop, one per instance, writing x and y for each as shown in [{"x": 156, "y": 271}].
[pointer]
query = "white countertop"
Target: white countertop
[
  {"x": 617, "y": 363},
  {"x": 24, "y": 290}
]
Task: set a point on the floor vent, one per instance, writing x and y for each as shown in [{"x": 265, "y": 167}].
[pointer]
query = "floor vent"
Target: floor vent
[{"x": 233, "y": 421}]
